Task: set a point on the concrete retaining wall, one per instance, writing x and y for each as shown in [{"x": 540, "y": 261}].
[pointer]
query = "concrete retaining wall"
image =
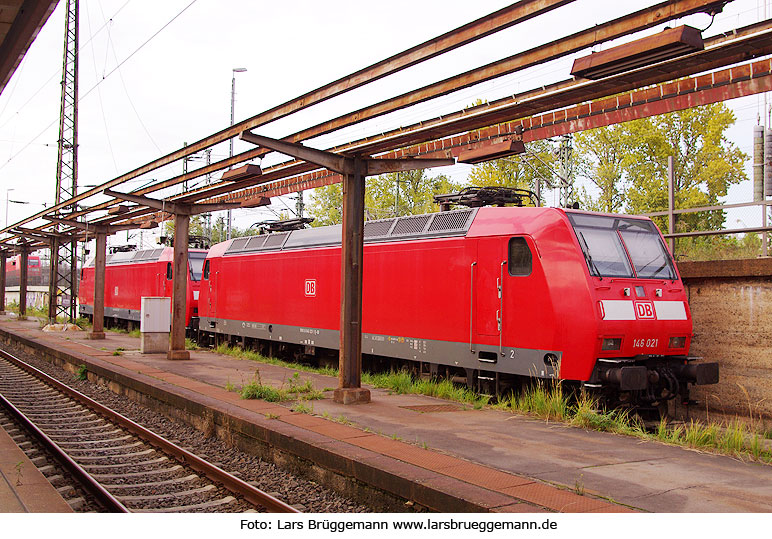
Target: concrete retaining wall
[{"x": 731, "y": 304}]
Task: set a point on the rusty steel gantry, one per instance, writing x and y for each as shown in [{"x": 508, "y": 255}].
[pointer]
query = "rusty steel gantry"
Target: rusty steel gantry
[{"x": 566, "y": 106}]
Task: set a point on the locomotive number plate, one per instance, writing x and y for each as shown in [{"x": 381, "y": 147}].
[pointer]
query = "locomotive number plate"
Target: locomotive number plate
[{"x": 645, "y": 343}]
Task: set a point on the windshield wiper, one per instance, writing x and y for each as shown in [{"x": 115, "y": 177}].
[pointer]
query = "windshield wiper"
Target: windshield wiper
[{"x": 588, "y": 257}]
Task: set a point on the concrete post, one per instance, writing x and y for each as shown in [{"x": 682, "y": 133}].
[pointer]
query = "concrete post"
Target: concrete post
[
  {"x": 23, "y": 272},
  {"x": 352, "y": 255},
  {"x": 2, "y": 281},
  {"x": 179, "y": 287},
  {"x": 98, "y": 325}
]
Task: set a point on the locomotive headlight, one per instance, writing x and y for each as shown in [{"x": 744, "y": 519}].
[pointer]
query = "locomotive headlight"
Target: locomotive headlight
[
  {"x": 611, "y": 344},
  {"x": 677, "y": 342}
]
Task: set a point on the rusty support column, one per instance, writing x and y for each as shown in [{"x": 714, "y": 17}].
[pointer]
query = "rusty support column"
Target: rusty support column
[
  {"x": 53, "y": 281},
  {"x": 349, "y": 377},
  {"x": 23, "y": 272},
  {"x": 98, "y": 322},
  {"x": 179, "y": 287},
  {"x": 2, "y": 281}
]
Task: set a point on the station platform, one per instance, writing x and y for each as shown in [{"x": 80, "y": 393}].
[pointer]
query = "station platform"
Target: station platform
[
  {"x": 23, "y": 488},
  {"x": 434, "y": 453}
]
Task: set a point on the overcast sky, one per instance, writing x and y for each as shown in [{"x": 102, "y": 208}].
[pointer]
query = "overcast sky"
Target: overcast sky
[{"x": 177, "y": 87}]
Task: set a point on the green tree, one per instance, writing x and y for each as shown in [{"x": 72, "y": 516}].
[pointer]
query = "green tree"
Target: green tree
[
  {"x": 628, "y": 164},
  {"x": 400, "y": 193},
  {"x": 600, "y": 156}
]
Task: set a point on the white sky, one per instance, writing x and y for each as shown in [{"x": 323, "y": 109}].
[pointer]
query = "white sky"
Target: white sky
[{"x": 177, "y": 87}]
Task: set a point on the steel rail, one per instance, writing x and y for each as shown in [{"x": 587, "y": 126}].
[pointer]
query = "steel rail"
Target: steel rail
[
  {"x": 504, "y": 18},
  {"x": 234, "y": 484},
  {"x": 109, "y": 501}
]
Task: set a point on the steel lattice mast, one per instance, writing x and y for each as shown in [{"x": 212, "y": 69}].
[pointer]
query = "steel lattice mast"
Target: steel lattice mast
[{"x": 63, "y": 253}]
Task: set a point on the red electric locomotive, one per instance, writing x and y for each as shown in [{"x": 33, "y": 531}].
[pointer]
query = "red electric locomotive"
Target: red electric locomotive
[
  {"x": 489, "y": 294},
  {"x": 13, "y": 271},
  {"x": 130, "y": 275}
]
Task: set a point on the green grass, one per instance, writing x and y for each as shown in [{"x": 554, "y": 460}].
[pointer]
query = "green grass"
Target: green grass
[
  {"x": 402, "y": 382},
  {"x": 303, "y": 408},
  {"x": 41, "y": 314},
  {"x": 83, "y": 323},
  {"x": 255, "y": 390},
  {"x": 549, "y": 401},
  {"x": 398, "y": 382},
  {"x": 295, "y": 389},
  {"x": 190, "y": 344},
  {"x": 252, "y": 355},
  {"x": 81, "y": 373}
]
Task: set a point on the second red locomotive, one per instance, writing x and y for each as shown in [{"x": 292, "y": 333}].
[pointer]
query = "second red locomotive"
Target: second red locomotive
[{"x": 130, "y": 275}]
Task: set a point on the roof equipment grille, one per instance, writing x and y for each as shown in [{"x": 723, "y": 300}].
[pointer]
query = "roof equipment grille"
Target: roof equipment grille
[
  {"x": 453, "y": 220},
  {"x": 411, "y": 225},
  {"x": 433, "y": 225}
]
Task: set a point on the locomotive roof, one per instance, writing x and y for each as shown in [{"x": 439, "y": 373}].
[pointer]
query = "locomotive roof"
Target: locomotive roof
[
  {"x": 130, "y": 257},
  {"x": 430, "y": 225}
]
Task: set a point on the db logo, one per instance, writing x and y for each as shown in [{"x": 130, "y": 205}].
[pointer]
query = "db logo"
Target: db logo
[
  {"x": 644, "y": 310},
  {"x": 310, "y": 287}
]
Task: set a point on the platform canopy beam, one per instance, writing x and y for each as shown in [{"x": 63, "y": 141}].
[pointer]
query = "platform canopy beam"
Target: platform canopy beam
[{"x": 354, "y": 170}]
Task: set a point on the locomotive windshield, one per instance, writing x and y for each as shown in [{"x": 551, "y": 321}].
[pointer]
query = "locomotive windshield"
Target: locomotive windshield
[
  {"x": 620, "y": 247},
  {"x": 196, "y": 265}
]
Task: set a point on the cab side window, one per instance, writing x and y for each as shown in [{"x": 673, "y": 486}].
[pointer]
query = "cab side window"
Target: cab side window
[
  {"x": 169, "y": 271},
  {"x": 206, "y": 270},
  {"x": 520, "y": 260}
]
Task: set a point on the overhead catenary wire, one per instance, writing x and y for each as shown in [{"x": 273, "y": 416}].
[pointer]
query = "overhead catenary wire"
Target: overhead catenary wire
[
  {"x": 101, "y": 104},
  {"x": 58, "y": 71},
  {"x": 88, "y": 92}
]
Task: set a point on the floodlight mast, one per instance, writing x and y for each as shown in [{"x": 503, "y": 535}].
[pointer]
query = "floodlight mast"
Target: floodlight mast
[{"x": 230, "y": 153}]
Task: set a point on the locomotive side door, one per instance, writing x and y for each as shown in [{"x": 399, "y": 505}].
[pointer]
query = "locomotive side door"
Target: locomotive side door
[
  {"x": 491, "y": 263},
  {"x": 210, "y": 279}
]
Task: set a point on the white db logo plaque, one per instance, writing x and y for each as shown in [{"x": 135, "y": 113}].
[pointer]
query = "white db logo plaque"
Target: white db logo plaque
[
  {"x": 310, "y": 287},
  {"x": 644, "y": 310}
]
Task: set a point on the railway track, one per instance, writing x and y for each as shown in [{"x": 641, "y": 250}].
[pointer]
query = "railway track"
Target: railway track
[{"x": 124, "y": 466}]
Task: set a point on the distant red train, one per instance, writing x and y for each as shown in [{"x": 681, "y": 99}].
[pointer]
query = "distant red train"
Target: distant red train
[
  {"x": 133, "y": 274},
  {"x": 13, "y": 271},
  {"x": 487, "y": 295}
]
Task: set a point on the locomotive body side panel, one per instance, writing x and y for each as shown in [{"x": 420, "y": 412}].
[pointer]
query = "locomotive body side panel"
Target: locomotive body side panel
[{"x": 126, "y": 284}]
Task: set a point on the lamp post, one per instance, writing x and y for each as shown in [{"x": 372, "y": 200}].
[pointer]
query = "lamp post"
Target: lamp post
[{"x": 230, "y": 154}]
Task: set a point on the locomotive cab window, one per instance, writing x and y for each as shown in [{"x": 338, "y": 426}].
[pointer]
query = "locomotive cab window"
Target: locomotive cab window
[
  {"x": 169, "y": 271},
  {"x": 196, "y": 265},
  {"x": 520, "y": 259},
  {"x": 622, "y": 247},
  {"x": 206, "y": 270}
]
